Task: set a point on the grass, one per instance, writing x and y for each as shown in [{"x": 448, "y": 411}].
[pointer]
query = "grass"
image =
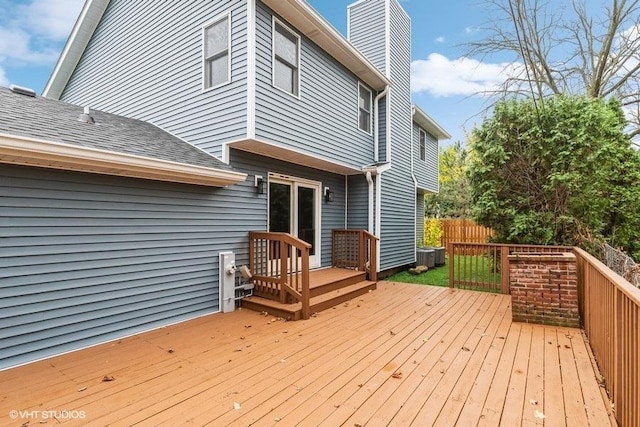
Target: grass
[
  {"x": 437, "y": 276},
  {"x": 469, "y": 268}
]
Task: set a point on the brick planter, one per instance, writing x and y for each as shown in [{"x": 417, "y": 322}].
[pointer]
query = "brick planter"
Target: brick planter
[{"x": 544, "y": 289}]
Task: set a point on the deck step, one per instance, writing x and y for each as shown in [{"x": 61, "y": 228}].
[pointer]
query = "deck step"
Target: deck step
[{"x": 317, "y": 303}]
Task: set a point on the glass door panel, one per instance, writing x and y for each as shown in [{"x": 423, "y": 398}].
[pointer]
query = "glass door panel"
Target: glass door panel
[{"x": 307, "y": 216}]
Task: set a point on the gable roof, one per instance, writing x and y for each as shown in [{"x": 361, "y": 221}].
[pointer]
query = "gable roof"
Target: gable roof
[
  {"x": 37, "y": 131},
  {"x": 297, "y": 12},
  {"x": 427, "y": 123}
]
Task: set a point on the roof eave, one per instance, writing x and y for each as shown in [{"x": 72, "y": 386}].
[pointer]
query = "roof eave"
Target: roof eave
[
  {"x": 55, "y": 155},
  {"x": 83, "y": 29},
  {"x": 429, "y": 124},
  {"x": 303, "y": 17}
]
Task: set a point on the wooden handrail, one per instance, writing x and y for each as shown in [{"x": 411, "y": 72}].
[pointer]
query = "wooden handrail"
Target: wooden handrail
[
  {"x": 356, "y": 250},
  {"x": 280, "y": 266},
  {"x": 610, "y": 309}
]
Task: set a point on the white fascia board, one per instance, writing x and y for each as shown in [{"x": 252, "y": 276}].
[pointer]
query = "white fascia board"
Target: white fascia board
[
  {"x": 83, "y": 29},
  {"x": 55, "y": 155},
  {"x": 429, "y": 124},
  {"x": 299, "y": 14}
]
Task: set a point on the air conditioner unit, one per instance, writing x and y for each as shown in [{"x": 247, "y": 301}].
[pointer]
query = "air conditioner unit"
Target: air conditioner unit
[{"x": 426, "y": 257}]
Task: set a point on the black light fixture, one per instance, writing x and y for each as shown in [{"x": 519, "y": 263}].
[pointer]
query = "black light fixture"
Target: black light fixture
[
  {"x": 261, "y": 184},
  {"x": 328, "y": 195}
]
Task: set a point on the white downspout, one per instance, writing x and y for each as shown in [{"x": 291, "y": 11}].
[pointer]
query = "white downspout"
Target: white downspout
[
  {"x": 415, "y": 181},
  {"x": 370, "y": 210},
  {"x": 376, "y": 134}
]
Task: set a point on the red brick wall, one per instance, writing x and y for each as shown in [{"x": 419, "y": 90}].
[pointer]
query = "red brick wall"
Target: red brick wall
[{"x": 544, "y": 289}]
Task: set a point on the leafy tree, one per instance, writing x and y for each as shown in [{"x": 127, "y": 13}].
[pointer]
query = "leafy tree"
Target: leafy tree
[
  {"x": 560, "y": 48},
  {"x": 454, "y": 198},
  {"x": 557, "y": 175}
]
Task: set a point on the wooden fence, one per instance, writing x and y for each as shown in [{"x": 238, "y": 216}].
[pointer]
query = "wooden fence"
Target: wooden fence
[
  {"x": 463, "y": 230},
  {"x": 609, "y": 312}
]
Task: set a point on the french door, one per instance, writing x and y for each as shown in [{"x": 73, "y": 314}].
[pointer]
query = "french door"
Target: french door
[{"x": 294, "y": 207}]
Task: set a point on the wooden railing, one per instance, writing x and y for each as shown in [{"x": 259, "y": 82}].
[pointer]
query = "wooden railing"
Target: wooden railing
[
  {"x": 485, "y": 266},
  {"x": 610, "y": 312},
  {"x": 355, "y": 250},
  {"x": 279, "y": 263}
]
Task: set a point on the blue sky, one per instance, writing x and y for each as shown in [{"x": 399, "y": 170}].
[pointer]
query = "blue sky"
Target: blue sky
[{"x": 33, "y": 32}]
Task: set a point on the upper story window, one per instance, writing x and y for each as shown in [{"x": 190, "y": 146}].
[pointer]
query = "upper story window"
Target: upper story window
[
  {"x": 217, "y": 49},
  {"x": 364, "y": 109},
  {"x": 423, "y": 145},
  {"x": 286, "y": 59}
]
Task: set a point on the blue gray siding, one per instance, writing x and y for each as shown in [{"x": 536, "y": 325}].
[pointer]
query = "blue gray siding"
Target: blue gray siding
[
  {"x": 332, "y": 213},
  {"x": 358, "y": 203},
  {"x": 323, "y": 121},
  {"x": 426, "y": 170},
  {"x": 398, "y": 200},
  {"x": 370, "y": 37},
  {"x": 145, "y": 61},
  {"x": 88, "y": 258}
]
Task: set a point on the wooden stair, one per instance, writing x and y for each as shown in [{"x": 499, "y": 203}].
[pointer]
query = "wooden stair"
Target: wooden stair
[{"x": 329, "y": 287}]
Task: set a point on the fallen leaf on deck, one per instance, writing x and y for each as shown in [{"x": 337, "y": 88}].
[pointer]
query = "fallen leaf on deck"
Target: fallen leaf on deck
[
  {"x": 539, "y": 415},
  {"x": 465, "y": 348},
  {"x": 170, "y": 350},
  {"x": 283, "y": 360},
  {"x": 82, "y": 389},
  {"x": 533, "y": 402},
  {"x": 236, "y": 406},
  {"x": 392, "y": 333},
  {"x": 396, "y": 375},
  {"x": 247, "y": 326},
  {"x": 107, "y": 378},
  {"x": 567, "y": 346},
  {"x": 277, "y": 419}
]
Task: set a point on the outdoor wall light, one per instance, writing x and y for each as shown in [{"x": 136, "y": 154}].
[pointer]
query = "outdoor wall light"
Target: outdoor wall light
[
  {"x": 260, "y": 184},
  {"x": 328, "y": 195}
]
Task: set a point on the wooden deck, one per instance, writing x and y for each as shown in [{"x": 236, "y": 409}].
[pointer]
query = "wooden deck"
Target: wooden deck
[{"x": 402, "y": 355}]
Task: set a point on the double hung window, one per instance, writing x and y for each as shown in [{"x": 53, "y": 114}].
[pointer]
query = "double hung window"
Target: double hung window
[
  {"x": 364, "y": 109},
  {"x": 217, "y": 48},
  {"x": 286, "y": 59}
]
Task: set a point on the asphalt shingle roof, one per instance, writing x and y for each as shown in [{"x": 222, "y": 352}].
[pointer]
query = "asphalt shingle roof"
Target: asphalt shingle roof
[{"x": 57, "y": 121}]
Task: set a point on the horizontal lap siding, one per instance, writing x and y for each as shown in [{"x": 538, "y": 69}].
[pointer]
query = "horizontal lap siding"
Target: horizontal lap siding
[
  {"x": 332, "y": 213},
  {"x": 358, "y": 203},
  {"x": 420, "y": 219},
  {"x": 369, "y": 38},
  {"x": 88, "y": 258},
  {"x": 399, "y": 193},
  {"x": 324, "y": 121},
  {"x": 426, "y": 170},
  {"x": 150, "y": 68}
]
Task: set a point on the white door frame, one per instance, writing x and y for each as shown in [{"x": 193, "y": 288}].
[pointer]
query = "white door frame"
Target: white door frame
[{"x": 295, "y": 183}]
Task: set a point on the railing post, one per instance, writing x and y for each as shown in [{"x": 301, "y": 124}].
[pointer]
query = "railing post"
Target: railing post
[
  {"x": 451, "y": 262},
  {"x": 306, "y": 292},
  {"x": 373, "y": 259},
  {"x": 504, "y": 270},
  {"x": 362, "y": 253}
]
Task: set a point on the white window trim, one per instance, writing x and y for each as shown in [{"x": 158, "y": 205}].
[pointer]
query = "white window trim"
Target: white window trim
[
  {"x": 208, "y": 24},
  {"x": 275, "y": 21},
  {"x": 422, "y": 148},
  {"x": 361, "y": 86}
]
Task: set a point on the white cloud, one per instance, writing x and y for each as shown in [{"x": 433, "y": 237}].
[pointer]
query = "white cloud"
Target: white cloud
[
  {"x": 32, "y": 32},
  {"x": 440, "y": 76},
  {"x": 50, "y": 19},
  {"x": 440, "y": 39}
]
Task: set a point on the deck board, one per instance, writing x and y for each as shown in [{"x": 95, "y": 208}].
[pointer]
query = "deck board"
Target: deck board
[{"x": 463, "y": 362}]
